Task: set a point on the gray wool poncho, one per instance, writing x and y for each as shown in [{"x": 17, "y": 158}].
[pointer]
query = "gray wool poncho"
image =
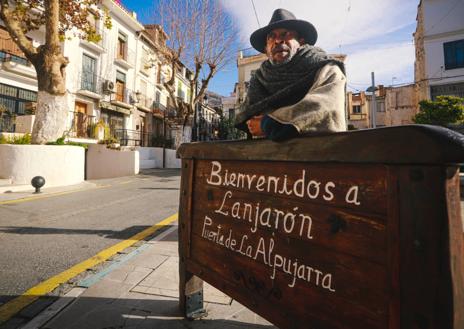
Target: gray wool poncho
[{"x": 276, "y": 86}]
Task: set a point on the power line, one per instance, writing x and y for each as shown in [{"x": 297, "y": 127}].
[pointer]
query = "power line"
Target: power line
[
  {"x": 441, "y": 19},
  {"x": 252, "y": 2}
]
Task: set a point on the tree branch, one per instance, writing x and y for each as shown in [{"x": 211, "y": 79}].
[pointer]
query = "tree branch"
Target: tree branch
[
  {"x": 13, "y": 25},
  {"x": 52, "y": 37}
]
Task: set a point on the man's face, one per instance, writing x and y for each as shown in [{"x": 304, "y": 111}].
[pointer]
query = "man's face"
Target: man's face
[{"x": 281, "y": 45}]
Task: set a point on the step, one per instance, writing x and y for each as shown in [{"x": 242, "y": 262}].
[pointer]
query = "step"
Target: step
[{"x": 147, "y": 164}]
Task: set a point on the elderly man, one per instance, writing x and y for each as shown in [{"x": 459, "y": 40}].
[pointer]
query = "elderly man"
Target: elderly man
[{"x": 299, "y": 89}]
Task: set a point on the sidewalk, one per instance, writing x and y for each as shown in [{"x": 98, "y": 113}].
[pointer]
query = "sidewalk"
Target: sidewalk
[
  {"x": 18, "y": 192},
  {"x": 142, "y": 292}
]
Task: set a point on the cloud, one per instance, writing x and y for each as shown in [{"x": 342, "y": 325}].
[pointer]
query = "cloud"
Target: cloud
[
  {"x": 337, "y": 21},
  {"x": 387, "y": 61},
  {"x": 367, "y": 31}
]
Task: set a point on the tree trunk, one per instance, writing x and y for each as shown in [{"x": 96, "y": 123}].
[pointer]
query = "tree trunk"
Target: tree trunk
[
  {"x": 52, "y": 105},
  {"x": 50, "y": 117}
]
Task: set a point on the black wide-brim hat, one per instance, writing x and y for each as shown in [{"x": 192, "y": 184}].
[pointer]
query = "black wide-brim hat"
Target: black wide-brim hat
[{"x": 282, "y": 18}]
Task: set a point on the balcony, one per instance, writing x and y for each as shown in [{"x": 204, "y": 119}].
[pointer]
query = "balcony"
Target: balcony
[
  {"x": 96, "y": 46},
  {"x": 82, "y": 125},
  {"x": 144, "y": 103},
  {"x": 126, "y": 60},
  {"x": 128, "y": 137},
  {"x": 357, "y": 116},
  {"x": 90, "y": 85},
  {"x": 123, "y": 97},
  {"x": 18, "y": 65}
]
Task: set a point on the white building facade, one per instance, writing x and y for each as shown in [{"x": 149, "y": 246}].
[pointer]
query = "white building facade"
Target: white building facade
[
  {"x": 439, "y": 40},
  {"x": 115, "y": 86}
]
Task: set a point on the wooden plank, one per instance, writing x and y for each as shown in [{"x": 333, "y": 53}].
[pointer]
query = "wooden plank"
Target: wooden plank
[
  {"x": 328, "y": 232},
  {"x": 393, "y": 248},
  {"x": 189, "y": 284},
  {"x": 329, "y": 272},
  {"x": 303, "y": 300},
  {"x": 362, "y": 188},
  {"x": 456, "y": 245},
  {"x": 387, "y": 145},
  {"x": 335, "y": 228},
  {"x": 426, "y": 283}
]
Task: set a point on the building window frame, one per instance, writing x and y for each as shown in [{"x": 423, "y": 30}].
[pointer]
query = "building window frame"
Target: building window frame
[
  {"x": 454, "y": 54},
  {"x": 357, "y": 109},
  {"x": 121, "y": 52},
  {"x": 14, "y": 99}
]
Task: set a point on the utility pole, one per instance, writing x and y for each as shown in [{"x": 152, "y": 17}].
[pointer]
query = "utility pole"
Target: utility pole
[{"x": 374, "y": 101}]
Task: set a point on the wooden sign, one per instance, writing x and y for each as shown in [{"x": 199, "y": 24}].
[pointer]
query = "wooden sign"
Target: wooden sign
[{"x": 322, "y": 244}]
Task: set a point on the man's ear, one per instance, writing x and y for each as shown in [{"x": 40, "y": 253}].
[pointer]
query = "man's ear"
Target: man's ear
[{"x": 301, "y": 41}]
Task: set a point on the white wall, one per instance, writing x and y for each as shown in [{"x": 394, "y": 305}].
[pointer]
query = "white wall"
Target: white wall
[
  {"x": 156, "y": 153},
  {"x": 441, "y": 16},
  {"x": 59, "y": 165},
  {"x": 24, "y": 124},
  {"x": 435, "y": 61},
  {"x": 443, "y": 22},
  {"x": 103, "y": 162}
]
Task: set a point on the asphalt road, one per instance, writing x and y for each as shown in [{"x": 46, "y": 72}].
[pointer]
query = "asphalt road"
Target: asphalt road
[{"x": 44, "y": 237}]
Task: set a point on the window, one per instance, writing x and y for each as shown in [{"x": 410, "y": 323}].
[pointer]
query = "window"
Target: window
[
  {"x": 158, "y": 98},
  {"x": 381, "y": 106},
  {"x": 158, "y": 74},
  {"x": 122, "y": 46},
  {"x": 88, "y": 78},
  {"x": 180, "y": 92},
  {"x": 145, "y": 62},
  {"x": 454, "y": 54},
  {"x": 120, "y": 86},
  {"x": 356, "y": 109},
  {"x": 14, "y": 99}
]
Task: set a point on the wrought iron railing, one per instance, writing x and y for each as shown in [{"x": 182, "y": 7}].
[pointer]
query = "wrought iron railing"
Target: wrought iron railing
[
  {"x": 357, "y": 116},
  {"x": 90, "y": 82},
  {"x": 128, "y": 56},
  {"x": 124, "y": 95},
  {"x": 129, "y": 137},
  {"x": 82, "y": 126},
  {"x": 143, "y": 100},
  {"x": 7, "y": 57},
  {"x": 7, "y": 123}
]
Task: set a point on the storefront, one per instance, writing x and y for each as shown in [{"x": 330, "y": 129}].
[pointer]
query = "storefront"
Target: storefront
[{"x": 114, "y": 116}]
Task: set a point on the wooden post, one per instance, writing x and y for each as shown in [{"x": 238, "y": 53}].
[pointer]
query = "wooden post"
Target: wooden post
[{"x": 190, "y": 286}]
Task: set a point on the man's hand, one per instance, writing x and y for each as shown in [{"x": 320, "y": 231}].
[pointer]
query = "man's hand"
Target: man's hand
[{"x": 254, "y": 126}]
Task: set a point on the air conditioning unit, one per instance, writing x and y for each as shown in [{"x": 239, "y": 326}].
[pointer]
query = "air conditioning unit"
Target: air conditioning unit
[{"x": 108, "y": 86}]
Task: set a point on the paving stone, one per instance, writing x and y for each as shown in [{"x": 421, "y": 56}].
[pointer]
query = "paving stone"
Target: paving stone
[
  {"x": 130, "y": 274},
  {"x": 164, "y": 281}
]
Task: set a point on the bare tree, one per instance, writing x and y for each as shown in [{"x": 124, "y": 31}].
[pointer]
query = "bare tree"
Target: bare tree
[
  {"x": 58, "y": 17},
  {"x": 201, "y": 36}
]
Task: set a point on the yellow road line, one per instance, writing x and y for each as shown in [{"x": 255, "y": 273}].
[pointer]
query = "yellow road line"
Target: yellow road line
[
  {"x": 15, "y": 305},
  {"x": 49, "y": 195}
]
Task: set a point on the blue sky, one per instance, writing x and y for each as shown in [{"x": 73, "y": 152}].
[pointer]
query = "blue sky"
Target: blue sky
[{"x": 376, "y": 35}]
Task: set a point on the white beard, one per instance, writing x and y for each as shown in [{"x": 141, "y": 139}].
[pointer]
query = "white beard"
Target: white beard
[{"x": 291, "y": 53}]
